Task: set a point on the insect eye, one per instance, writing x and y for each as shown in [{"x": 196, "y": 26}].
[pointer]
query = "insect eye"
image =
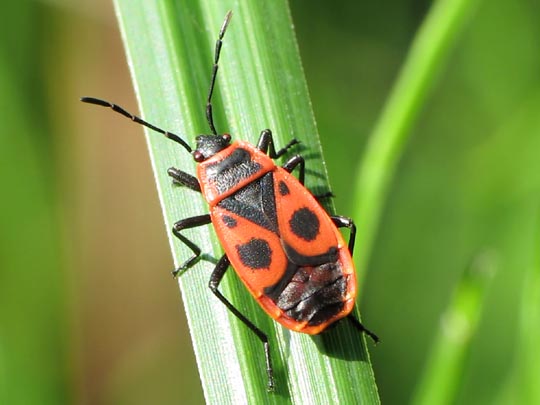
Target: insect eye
[
  {"x": 226, "y": 137},
  {"x": 198, "y": 156}
]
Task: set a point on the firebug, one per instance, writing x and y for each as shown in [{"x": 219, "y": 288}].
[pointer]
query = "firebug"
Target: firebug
[{"x": 284, "y": 246}]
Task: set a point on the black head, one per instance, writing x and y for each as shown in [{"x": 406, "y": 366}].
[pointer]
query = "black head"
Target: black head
[{"x": 209, "y": 145}]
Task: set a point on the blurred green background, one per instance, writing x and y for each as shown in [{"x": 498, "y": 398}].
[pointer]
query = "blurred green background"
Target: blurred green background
[{"x": 88, "y": 311}]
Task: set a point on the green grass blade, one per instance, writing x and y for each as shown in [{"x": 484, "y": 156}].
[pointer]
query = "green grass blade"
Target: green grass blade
[
  {"x": 527, "y": 366},
  {"x": 425, "y": 60},
  {"x": 261, "y": 85},
  {"x": 34, "y": 345},
  {"x": 445, "y": 364},
  {"x": 529, "y": 330},
  {"x": 522, "y": 384}
]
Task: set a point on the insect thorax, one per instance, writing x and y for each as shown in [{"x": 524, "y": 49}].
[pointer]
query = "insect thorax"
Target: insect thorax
[{"x": 231, "y": 169}]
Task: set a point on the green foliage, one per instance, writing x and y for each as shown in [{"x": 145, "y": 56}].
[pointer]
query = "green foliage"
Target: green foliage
[
  {"x": 458, "y": 176},
  {"x": 33, "y": 349},
  {"x": 440, "y": 381}
]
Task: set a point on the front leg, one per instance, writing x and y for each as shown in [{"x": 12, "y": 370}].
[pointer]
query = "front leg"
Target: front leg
[
  {"x": 266, "y": 144},
  {"x": 184, "y": 179},
  {"x": 187, "y": 224}
]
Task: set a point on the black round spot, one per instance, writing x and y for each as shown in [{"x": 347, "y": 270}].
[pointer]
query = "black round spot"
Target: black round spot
[
  {"x": 256, "y": 254},
  {"x": 229, "y": 222},
  {"x": 283, "y": 189},
  {"x": 305, "y": 224}
]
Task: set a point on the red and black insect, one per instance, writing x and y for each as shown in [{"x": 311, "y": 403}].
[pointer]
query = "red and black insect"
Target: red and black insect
[{"x": 283, "y": 245}]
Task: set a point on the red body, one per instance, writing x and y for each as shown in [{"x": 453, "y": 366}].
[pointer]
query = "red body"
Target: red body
[{"x": 301, "y": 225}]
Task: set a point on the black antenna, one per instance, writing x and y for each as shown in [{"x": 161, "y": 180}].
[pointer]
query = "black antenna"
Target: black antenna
[
  {"x": 134, "y": 118},
  {"x": 217, "y": 52}
]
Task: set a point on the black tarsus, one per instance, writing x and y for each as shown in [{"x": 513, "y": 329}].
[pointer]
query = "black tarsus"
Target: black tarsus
[
  {"x": 215, "y": 280},
  {"x": 188, "y": 223},
  {"x": 358, "y": 325},
  {"x": 138, "y": 120},
  {"x": 217, "y": 52},
  {"x": 322, "y": 196}
]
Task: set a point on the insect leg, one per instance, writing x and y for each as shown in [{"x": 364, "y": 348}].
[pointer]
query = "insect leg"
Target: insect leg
[
  {"x": 266, "y": 144},
  {"x": 358, "y": 325},
  {"x": 291, "y": 164},
  {"x": 298, "y": 160},
  {"x": 184, "y": 179},
  {"x": 345, "y": 222},
  {"x": 215, "y": 279},
  {"x": 322, "y": 196},
  {"x": 187, "y": 224}
]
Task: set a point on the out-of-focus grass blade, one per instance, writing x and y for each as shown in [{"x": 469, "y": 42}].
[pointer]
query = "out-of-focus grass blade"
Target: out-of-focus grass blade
[
  {"x": 33, "y": 336},
  {"x": 426, "y": 58},
  {"x": 528, "y": 370},
  {"x": 445, "y": 363},
  {"x": 530, "y": 329},
  {"x": 522, "y": 386},
  {"x": 261, "y": 85}
]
